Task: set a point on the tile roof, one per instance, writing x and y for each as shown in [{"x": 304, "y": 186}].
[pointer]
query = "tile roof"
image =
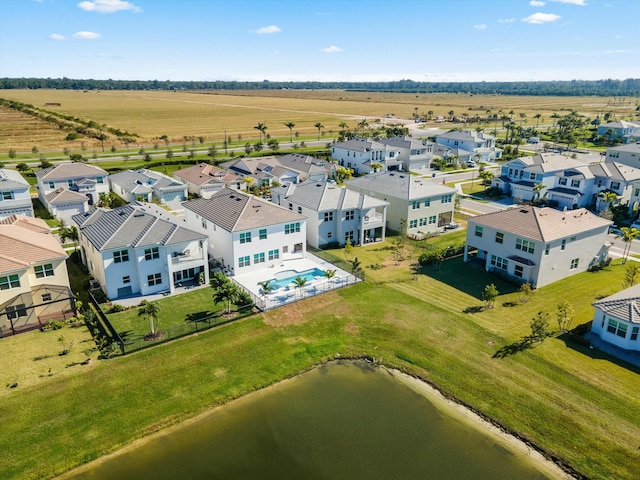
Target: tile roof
[
  {"x": 63, "y": 171},
  {"x": 64, "y": 195},
  {"x": 144, "y": 181},
  {"x": 203, "y": 174},
  {"x": 615, "y": 171},
  {"x": 323, "y": 196},
  {"x": 466, "y": 135},
  {"x": 624, "y": 305},
  {"x": 360, "y": 145},
  {"x": 400, "y": 185},
  {"x": 134, "y": 225},
  {"x": 12, "y": 180},
  {"x": 541, "y": 224},
  {"x": 295, "y": 162},
  {"x": 25, "y": 242},
  {"x": 235, "y": 211}
]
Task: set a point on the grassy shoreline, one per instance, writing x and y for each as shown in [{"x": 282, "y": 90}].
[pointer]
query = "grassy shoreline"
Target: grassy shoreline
[{"x": 577, "y": 408}]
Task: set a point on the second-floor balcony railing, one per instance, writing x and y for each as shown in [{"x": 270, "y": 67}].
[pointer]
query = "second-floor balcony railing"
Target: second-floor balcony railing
[
  {"x": 185, "y": 257},
  {"x": 375, "y": 218}
]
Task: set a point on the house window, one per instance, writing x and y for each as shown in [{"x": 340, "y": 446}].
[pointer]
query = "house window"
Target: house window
[
  {"x": 52, "y": 184},
  {"x": 423, "y": 222},
  {"x": 617, "y": 328},
  {"x": 46, "y": 297},
  {"x": 432, "y": 220},
  {"x": 574, "y": 264},
  {"x": 126, "y": 279},
  {"x": 7, "y": 196},
  {"x": 151, "y": 253},
  {"x": 525, "y": 245},
  {"x": 329, "y": 234},
  {"x": 636, "y": 192},
  {"x": 348, "y": 236},
  {"x": 563, "y": 244},
  {"x": 121, "y": 256},
  {"x": 274, "y": 254},
  {"x": 154, "y": 279},
  {"x": 575, "y": 183},
  {"x": 204, "y": 224},
  {"x": 245, "y": 237},
  {"x": 349, "y": 215},
  {"x": 447, "y": 198},
  {"x": 328, "y": 216},
  {"x": 615, "y": 185},
  {"x": 547, "y": 247},
  {"x": 299, "y": 209},
  {"x": 258, "y": 258},
  {"x": 15, "y": 311},
  {"x": 562, "y": 181},
  {"x": 100, "y": 180},
  {"x": 70, "y": 183},
  {"x": 244, "y": 261},
  {"x": 518, "y": 271},
  {"x": 413, "y": 223},
  {"x": 532, "y": 176},
  {"x": 292, "y": 228},
  {"x": 415, "y": 205},
  {"x": 499, "y": 237},
  {"x": 44, "y": 270},
  {"x": 427, "y": 202},
  {"x": 291, "y": 206},
  {"x": 262, "y": 234},
  {"x": 478, "y": 231},
  {"x": 634, "y": 333},
  {"x": 572, "y": 239},
  {"x": 499, "y": 262}
]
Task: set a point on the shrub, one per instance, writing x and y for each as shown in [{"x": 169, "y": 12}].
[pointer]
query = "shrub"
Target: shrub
[
  {"x": 116, "y": 307},
  {"x": 53, "y": 325}
]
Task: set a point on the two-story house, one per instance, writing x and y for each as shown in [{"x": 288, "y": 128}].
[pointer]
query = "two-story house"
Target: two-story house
[
  {"x": 140, "y": 249},
  {"x": 34, "y": 285},
  {"x": 538, "y": 245},
  {"x": 245, "y": 232},
  {"x": 364, "y": 155},
  {"x": 146, "y": 185},
  {"x": 204, "y": 179},
  {"x": 616, "y": 319},
  {"x": 413, "y": 153},
  {"x": 481, "y": 146},
  {"x": 335, "y": 214},
  {"x": 88, "y": 180},
  {"x": 426, "y": 206},
  {"x": 618, "y": 129},
  {"x": 628, "y": 154},
  {"x": 15, "y": 198}
]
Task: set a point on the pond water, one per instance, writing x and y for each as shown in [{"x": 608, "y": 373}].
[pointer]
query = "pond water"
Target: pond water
[{"x": 345, "y": 420}]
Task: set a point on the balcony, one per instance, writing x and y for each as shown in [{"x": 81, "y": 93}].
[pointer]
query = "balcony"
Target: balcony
[
  {"x": 375, "y": 218},
  {"x": 185, "y": 257}
]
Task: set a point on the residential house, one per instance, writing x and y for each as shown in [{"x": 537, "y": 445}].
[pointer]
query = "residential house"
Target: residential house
[
  {"x": 538, "y": 245},
  {"x": 363, "y": 155},
  {"x": 147, "y": 185},
  {"x": 616, "y": 319},
  {"x": 618, "y": 129},
  {"x": 245, "y": 232},
  {"x": 140, "y": 249},
  {"x": 88, "y": 180},
  {"x": 63, "y": 203},
  {"x": 628, "y": 154},
  {"x": 34, "y": 285},
  {"x": 204, "y": 179},
  {"x": 425, "y": 205},
  {"x": 481, "y": 146},
  {"x": 334, "y": 214},
  {"x": 15, "y": 198},
  {"x": 413, "y": 153}
]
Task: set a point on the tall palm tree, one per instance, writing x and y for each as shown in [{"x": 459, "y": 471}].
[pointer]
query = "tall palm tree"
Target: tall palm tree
[
  {"x": 522, "y": 117},
  {"x": 290, "y": 126},
  {"x": 628, "y": 235},
  {"x": 329, "y": 274},
  {"x": 262, "y": 127},
  {"x": 319, "y": 126},
  {"x": 485, "y": 175},
  {"x": 151, "y": 311},
  {"x": 363, "y": 124},
  {"x": 537, "y": 116}
]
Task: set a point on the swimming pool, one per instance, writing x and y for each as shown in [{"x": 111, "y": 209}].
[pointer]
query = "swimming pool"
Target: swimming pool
[{"x": 287, "y": 277}]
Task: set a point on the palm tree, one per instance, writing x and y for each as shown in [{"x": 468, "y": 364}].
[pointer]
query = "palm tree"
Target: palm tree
[
  {"x": 262, "y": 128},
  {"x": 485, "y": 175},
  {"x": 290, "y": 126},
  {"x": 537, "y": 116},
  {"x": 363, "y": 124},
  {"x": 537, "y": 188},
  {"x": 266, "y": 286},
  {"x": 329, "y": 274},
  {"x": 608, "y": 198},
  {"x": 151, "y": 311},
  {"x": 628, "y": 235},
  {"x": 430, "y": 113},
  {"x": 356, "y": 266},
  {"x": 227, "y": 292},
  {"x": 319, "y": 126},
  {"x": 300, "y": 282},
  {"x": 451, "y": 113},
  {"x": 522, "y": 117}
]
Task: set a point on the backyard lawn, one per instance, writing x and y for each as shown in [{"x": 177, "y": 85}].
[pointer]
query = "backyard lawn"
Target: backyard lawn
[{"x": 579, "y": 406}]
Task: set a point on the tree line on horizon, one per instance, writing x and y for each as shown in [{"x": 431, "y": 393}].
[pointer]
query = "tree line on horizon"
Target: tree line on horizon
[{"x": 605, "y": 87}]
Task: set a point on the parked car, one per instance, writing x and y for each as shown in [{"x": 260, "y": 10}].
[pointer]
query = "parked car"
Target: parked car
[
  {"x": 451, "y": 226},
  {"x": 471, "y": 163}
]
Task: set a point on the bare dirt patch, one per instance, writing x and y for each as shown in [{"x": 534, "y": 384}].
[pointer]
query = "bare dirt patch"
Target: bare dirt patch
[
  {"x": 295, "y": 313},
  {"x": 352, "y": 329}
]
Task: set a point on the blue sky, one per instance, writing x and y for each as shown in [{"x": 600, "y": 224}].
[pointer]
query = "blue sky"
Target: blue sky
[{"x": 373, "y": 40}]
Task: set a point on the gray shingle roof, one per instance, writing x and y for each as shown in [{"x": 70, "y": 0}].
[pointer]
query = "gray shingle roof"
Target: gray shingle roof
[
  {"x": 624, "y": 305},
  {"x": 400, "y": 185},
  {"x": 131, "y": 226},
  {"x": 144, "y": 181},
  {"x": 64, "y": 171},
  {"x": 324, "y": 196},
  {"x": 360, "y": 145},
  {"x": 64, "y": 195},
  {"x": 235, "y": 211},
  {"x": 12, "y": 180}
]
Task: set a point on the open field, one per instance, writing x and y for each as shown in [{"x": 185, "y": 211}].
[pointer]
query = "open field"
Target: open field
[
  {"x": 576, "y": 404},
  {"x": 152, "y": 114}
]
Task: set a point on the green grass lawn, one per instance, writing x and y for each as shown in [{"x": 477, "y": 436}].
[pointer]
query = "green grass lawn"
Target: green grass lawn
[{"x": 576, "y": 404}]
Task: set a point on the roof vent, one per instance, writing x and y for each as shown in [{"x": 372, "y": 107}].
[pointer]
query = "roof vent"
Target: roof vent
[{"x": 524, "y": 210}]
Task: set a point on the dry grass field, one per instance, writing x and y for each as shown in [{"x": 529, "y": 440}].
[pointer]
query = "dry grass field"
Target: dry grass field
[{"x": 183, "y": 115}]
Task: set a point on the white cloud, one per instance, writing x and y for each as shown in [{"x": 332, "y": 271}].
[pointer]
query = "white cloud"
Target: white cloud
[
  {"x": 86, "y": 35},
  {"x": 539, "y": 17},
  {"x": 107, "y": 6},
  {"x": 480, "y": 26},
  {"x": 267, "y": 30},
  {"x": 536, "y": 3},
  {"x": 332, "y": 49},
  {"x": 582, "y": 3},
  {"x": 609, "y": 52},
  {"x": 56, "y": 36},
  {"x": 506, "y": 20}
]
